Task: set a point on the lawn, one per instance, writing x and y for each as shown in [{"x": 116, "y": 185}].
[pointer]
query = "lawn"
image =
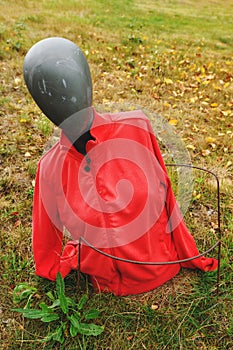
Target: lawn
[{"x": 174, "y": 59}]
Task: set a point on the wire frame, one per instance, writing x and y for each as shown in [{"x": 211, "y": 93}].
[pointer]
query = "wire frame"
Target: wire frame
[{"x": 136, "y": 262}]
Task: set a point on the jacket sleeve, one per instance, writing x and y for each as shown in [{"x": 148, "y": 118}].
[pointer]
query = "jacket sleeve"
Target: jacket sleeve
[
  {"x": 47, "y": 235},
  {"x": 183, "y": 240}
]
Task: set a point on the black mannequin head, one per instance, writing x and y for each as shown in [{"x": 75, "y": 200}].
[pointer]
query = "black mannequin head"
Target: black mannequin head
[{"x": 58, "y": 77}]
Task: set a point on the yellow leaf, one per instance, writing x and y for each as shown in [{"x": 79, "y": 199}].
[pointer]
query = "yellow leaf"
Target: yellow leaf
[
  {"x": 166, "y": 104},
  {"x": 23, "y": 120},
  {"x": 210, "y": 65},
  {"x": 157, "y": 81},
  {"x": 191, "y": 147},
  {"x": 198, "y": 196},
  {"x": 226, "y": 84},
  {"x": 214, "y": 104},
  {"x": 168, "y": 81},
  {"x": 209, "y": 139},
  {"x": 173, "y": 122},
  {"x": 203, "y": 70},
  {"x": 217, "y": 87}
]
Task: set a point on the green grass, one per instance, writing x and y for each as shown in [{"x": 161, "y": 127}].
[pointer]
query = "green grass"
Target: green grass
[{"x": 170, "y": 57}]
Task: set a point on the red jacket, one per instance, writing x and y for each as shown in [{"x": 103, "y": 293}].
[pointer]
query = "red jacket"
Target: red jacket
[{"x": 119, "y": 199}]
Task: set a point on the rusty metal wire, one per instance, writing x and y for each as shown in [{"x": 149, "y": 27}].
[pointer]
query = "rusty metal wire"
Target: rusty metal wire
[{"x": 216, "y": 244}]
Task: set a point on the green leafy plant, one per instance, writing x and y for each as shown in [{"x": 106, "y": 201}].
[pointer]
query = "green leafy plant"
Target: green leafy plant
[{"x": 68, "y": 314}]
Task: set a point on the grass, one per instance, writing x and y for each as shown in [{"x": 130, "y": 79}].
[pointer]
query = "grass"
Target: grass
[{"x": 173, "y": 58}]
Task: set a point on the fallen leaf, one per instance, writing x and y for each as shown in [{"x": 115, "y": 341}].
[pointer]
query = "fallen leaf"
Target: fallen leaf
[
  {"x": 195, "y": 128},
  {"x": 191, "y": 147},
  {"x": 226, "y": 84},
  {"x": 166, "y": 104},
  {"x": 15, "y": 213},
  {"x": 210, "y": 140},
  {"x": 226, "y": 113},
  {"x": 23, "y": 120},
  {"x": 198, "y": 196},
  {"x": 154, "y": 307},
  {"x": 168, "y": 81},
  {"x": 173, "y": 122},
  {"x": 17, "y": 81},
  {"x": 205, "y": 152},
  {"x": 206, "y": 82},
  {"x": 157, "y": 81},
  {"x": 214, "y": 225},
  {"x": 17, "y": 223}
]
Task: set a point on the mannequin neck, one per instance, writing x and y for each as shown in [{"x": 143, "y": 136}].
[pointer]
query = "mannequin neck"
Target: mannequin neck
[{"x": 80, "y": 143}]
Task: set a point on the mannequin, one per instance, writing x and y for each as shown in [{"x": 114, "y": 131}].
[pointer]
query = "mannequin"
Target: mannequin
[{"x": 105, "y": 181}]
